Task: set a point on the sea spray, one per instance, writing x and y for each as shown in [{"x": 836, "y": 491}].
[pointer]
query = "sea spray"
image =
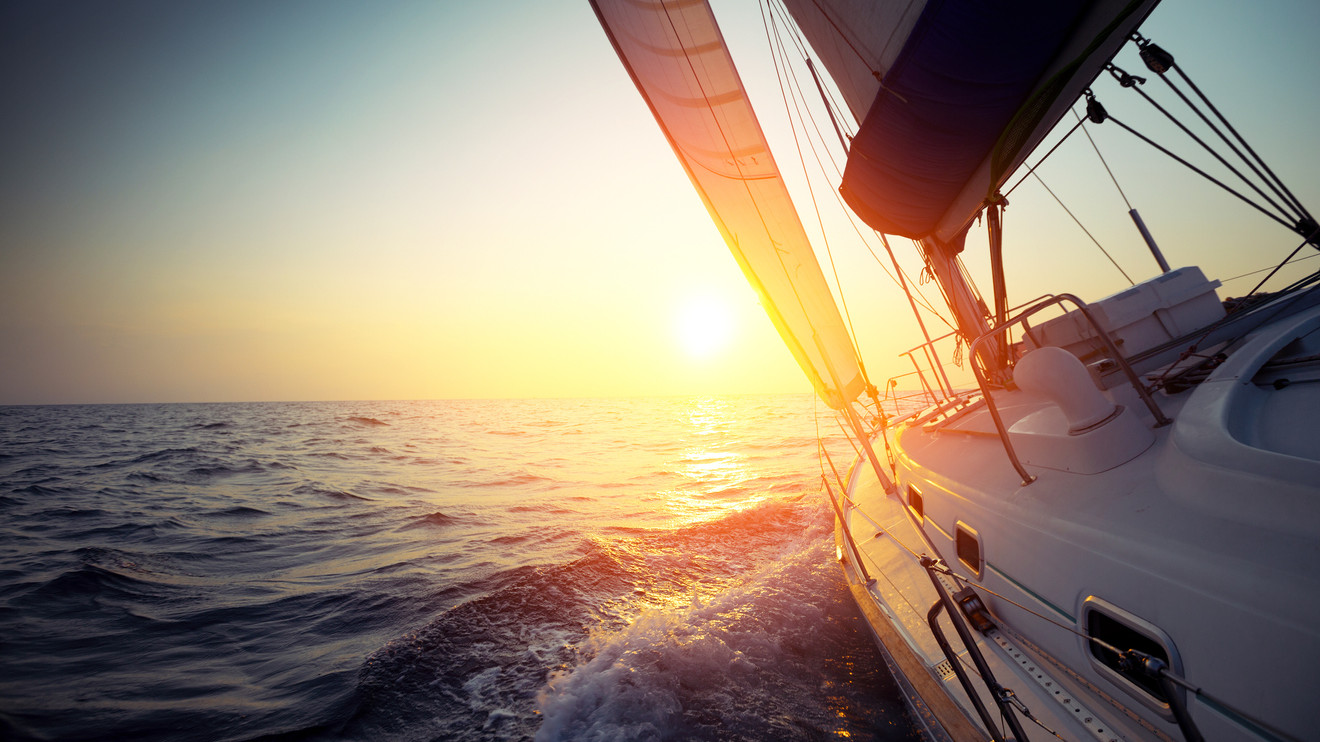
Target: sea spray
[{"x": 740, "y": 666}]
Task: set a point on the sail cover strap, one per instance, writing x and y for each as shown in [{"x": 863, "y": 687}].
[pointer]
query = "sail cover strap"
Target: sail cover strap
[{"x": 678, "y": 59}]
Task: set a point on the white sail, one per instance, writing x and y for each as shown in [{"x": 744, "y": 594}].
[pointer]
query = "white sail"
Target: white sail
[
  {"x": 855, "y": 39},
  {"x": 677, "y": 57}
]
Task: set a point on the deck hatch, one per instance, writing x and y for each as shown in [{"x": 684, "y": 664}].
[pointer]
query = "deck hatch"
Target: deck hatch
[{"x": 967, "y": 544}]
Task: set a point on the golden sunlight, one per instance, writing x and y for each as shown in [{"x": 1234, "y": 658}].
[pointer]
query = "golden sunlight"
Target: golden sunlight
[{"x": 704, "y": 326}]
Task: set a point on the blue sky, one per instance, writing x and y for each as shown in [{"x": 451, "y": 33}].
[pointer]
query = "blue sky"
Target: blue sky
[{"x": 333, "y": 200}]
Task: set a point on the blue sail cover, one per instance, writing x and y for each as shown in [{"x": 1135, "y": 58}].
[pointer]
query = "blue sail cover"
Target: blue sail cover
[{"x": 971, "y": 88}]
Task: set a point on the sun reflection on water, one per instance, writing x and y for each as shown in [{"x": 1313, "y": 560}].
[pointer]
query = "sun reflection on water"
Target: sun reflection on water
[{"x": 715, "y": 474}]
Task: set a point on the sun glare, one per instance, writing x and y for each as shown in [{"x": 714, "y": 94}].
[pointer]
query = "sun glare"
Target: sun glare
[{"x": 704, "y": 326}]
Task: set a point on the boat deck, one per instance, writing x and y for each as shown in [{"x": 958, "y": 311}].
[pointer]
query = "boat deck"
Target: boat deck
[
  {"x": 896, "y": 602},
  {"x": 1204, "y": 530}
]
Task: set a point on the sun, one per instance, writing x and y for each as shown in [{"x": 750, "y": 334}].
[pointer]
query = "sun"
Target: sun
[{"x": 704, "y": 326}]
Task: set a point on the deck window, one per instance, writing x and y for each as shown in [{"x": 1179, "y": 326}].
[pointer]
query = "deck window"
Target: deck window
[
  {"x": 967, "y": 544},
  {"x": 1122, "y": 630},
  {"x": 915, "y": 502}
]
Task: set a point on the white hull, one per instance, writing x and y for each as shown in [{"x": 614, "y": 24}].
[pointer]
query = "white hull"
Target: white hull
[
  {"x": 1145, "y": 558},
  {"x": 1201, "y": 535}
]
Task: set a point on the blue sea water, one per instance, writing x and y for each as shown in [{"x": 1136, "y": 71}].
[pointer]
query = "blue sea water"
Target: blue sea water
[{"x": 641, "y": 569}]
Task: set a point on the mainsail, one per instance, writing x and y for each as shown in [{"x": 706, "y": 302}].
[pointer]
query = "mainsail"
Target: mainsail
[
  {"x": 678, "y": 59},
  {"x": 952, "y": 95}
]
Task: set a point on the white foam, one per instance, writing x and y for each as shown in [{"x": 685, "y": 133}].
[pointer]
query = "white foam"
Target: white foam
[{"x": 637, "y": 679}]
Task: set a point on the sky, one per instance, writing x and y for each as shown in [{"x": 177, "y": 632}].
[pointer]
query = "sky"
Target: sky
[{"x": 249, "y": 201}]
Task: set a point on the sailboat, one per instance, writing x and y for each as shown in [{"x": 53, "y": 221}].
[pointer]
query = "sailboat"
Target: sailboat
[{"x": 1110, "y": 531}]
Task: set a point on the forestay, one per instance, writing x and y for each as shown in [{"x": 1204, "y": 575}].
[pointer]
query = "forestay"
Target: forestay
[{"x": 678, "y": 59}]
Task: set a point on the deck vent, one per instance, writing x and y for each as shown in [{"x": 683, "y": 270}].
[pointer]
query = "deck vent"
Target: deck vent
[
  {"x": 1118, "y": 628},
  {"x": 968, "y": 546},
  {"x": 915, "y": 502},
  {"x": 945, "y": 670}
]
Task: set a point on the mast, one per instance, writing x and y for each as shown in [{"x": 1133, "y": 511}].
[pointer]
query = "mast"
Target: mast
[{"x": 968, "y": 311}]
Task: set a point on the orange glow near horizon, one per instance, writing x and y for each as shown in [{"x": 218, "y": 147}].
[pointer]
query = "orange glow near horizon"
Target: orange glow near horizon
[{"x": 251, "y": 203}]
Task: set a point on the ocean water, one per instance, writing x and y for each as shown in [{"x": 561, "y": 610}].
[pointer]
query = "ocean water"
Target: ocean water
[{"x": 639, "y": 569}]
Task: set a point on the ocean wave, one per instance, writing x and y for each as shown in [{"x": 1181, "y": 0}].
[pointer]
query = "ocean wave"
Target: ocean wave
[
  {"x": 513, "y": 539},
  {"x": 102, "y": 574},
  {"x": 164, "y": 454},
  {"x": 151, "y": 477},
  {"x": 301, "y": 572},
  {"x": 115, "y": 533},
  {"x": 479, "y": 665},
  {"x": 399, "y": 490},
  {"x": 513, "y": 480},
  {"x": 220, "y": 468},
  {"x": 239, "y": 511},
  {"x": 39, "y": 470},
  {"x": 62, "y": 512},
  {"x": 542, "y": 507},
  {"x": 436, "y": 519},
  {"x": 331, "y": 493},
  {"x": 729, "y": 668}
]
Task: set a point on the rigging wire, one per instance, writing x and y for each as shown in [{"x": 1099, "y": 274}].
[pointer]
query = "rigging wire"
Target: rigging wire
[
  {"x": 796, "y": 86},
  {"x": 1278, "y": 267},
  {"x": 1185, "y": 163},
  {"x": 1273, "y": 179},
  {"x": 790, "y": 86},
  {"x": 839, "y": 32},
  {"x": 817, "y": 381},
  {"x": 1084, "y": 229},
  {"x": 1262, "y": 270},
  {"x": 940, "y": 568},
  {"x": 794, "y": 36},
  {"x": 1031, "y": 172},
  {"x": 803, "y": 50},
  {"x": 768, "y": 21},
  {"x": 1160, "y": 62},
  {"x": 1130, "y": 81},
  {"x": 1295, "y": 285},
  {"x": 1081, "y": 122},
  {"x": 843, "y": 142}
]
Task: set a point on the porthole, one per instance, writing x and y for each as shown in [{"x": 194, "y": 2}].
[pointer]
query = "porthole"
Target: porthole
[
  {"x": 967, "y": 544},
  {"x": 1122, "y": 630},
  {"x": 916, "y": 502}
]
